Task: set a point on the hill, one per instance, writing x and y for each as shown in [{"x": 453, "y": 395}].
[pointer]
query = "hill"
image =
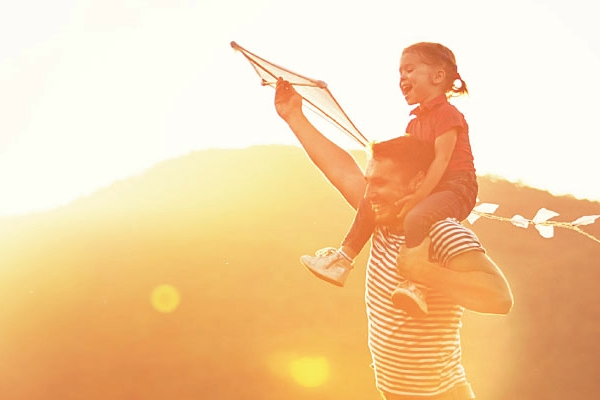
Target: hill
[{"x": 224, "y": 229}]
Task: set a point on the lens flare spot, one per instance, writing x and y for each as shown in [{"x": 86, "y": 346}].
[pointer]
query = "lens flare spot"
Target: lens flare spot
[
  {"x": 309, "y": 371},
  {"x": 165, "y": 298}
]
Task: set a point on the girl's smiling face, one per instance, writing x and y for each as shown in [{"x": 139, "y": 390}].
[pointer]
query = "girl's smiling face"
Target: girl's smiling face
[{"x": 420, "y": 82}]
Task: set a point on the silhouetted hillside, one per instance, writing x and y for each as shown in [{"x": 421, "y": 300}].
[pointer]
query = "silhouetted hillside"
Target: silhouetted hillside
[{"x": 225, "y": 228}]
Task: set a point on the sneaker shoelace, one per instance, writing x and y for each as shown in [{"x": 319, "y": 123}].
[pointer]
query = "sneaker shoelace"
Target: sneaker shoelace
[{"x": 325, "y": 252}]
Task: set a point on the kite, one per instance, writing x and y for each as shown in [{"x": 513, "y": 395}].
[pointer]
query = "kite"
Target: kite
[
  {"x": 320, "y": 100},
  {"x": 315, "y": 92}
]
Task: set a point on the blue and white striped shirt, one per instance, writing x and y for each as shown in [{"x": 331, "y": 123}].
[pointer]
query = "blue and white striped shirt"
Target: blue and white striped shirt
[{"x": 415, "y": 356}]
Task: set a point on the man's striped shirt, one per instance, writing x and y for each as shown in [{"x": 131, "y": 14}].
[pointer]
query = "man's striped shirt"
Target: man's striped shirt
[{"x": 415, "y": 356}]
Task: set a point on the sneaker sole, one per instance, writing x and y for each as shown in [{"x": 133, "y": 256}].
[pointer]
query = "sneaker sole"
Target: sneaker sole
[
  {"x": 408, "y": 304},
  {"x": 323, "y": 277}
]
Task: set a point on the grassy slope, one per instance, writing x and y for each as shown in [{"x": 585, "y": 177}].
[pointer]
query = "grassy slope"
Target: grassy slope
[{"x": 226, "y": 227}]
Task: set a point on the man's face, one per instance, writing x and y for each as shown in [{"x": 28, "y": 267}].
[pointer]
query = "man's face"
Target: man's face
[{"x": 385, "y": 186}]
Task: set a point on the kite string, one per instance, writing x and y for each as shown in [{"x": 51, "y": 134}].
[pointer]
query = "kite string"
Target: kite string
[{"x": 558, "y": 224}]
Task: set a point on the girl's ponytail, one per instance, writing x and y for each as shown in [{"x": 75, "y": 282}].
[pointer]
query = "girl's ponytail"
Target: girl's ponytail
[{"x": 459, "y": 86}]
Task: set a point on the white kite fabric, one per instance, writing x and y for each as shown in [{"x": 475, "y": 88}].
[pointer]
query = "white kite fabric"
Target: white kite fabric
[
  {"x": 321, "y": 101},
  {"x": 315, "y": 92}
]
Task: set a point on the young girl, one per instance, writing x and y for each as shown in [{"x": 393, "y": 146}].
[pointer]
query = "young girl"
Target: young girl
[{"x": 428, "y": 77}]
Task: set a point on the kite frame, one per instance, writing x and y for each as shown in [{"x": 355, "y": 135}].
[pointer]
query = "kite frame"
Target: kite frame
[{"x": 357, "y": 135}]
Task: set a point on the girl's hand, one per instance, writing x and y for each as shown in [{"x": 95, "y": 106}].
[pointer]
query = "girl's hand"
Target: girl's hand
[
  {"x": 413, "y": 263},
  {"x": 287, "y": 101},
  {"x": 405, "y": 204}
]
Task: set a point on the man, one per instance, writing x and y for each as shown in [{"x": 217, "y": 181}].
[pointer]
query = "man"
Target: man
[{"x": 413, "y": 358}]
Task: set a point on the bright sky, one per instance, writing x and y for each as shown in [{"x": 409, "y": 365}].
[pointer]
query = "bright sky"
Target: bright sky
[{"x": 93, "y": 91}]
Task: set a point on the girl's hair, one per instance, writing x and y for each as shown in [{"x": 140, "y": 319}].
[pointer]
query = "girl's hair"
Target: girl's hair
[{"x": 438, "y": 54}]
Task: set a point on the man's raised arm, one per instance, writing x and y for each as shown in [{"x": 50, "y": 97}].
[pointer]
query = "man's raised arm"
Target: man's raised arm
[{"x": 338, "y": 166}]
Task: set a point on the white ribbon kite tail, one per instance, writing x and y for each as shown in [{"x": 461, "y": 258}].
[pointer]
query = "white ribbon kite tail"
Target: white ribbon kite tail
[{"x": 314, "y": 92}]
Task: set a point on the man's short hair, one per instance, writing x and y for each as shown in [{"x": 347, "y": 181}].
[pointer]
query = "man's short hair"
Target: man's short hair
[{"x": 409, "y": 154}]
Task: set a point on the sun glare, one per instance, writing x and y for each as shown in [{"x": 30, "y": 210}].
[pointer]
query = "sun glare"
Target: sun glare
[
  {"x": 309, "y": 371},
  {"x": 306, "y": 371},
  {"x": 165, "y": 298}
]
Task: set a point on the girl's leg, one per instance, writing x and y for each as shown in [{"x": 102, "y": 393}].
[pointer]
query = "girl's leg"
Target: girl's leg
[
  {"x": 436, "y": 207},
  {"x": 455, "y": 197},
  {"x": 334, "y": 265},
  {"x": 360, "y": 231}
]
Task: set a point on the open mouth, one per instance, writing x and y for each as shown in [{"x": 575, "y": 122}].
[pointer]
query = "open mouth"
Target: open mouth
[{"x": 406, "y": 89}]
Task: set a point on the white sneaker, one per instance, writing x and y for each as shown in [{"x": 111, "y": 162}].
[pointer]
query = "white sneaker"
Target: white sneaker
[
  {"x": 411, "y": 299},
  {"x": 329, "y": 265}
]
